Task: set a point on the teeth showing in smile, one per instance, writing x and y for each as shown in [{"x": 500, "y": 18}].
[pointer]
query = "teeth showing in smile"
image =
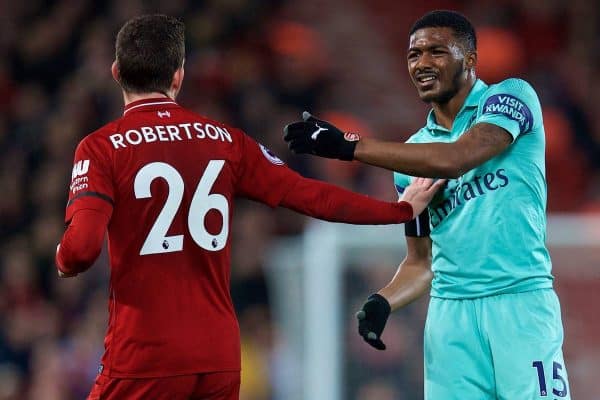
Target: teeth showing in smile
[{"x": 426, "y": 79}]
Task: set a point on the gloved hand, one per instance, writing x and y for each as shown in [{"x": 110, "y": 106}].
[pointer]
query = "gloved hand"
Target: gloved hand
[
  {"x": 372, "y": 318},
  {"x": 314, "y": 136}
]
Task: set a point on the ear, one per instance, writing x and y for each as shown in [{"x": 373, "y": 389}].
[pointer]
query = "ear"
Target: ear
[
  {"x": 114, "y": 69},
  {"x": 177, "y": 80},
  {"x": 471, "y": 60}
]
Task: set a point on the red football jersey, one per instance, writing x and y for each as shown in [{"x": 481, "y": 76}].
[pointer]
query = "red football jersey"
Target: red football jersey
[{"x": 167, "y": 177}]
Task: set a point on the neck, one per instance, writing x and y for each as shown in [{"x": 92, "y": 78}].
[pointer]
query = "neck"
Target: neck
[
  {"x": 131, "y": 97},
  {"x": 445, "y": 113}
]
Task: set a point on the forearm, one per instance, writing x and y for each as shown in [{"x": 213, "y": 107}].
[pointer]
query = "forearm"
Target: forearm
[
  {"x": 410, "y": 282},
  {"x": 82, "y": 242},
  {"x": 436, "y": 160},
  {"x": 331, "y": 203},
  {"x": 432, "y": 160}
]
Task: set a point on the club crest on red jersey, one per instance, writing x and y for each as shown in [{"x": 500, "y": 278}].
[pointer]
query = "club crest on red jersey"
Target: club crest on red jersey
[{"x": 270, "y": 156}]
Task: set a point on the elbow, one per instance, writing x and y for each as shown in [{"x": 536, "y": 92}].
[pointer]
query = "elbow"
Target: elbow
[
  {"x": 82, "y": 242},
  {"x": 75, "y": 262},
  {"x": 76, "y": 265},
  {"x": 453, "y": 173},
  {"x": 425, "y": 277},
  {"x": 451, "y": 166},
  {"x": 428, "y": 277},
  {"x": 447, "y": 169},
  {"x": 424, "y": 267}
]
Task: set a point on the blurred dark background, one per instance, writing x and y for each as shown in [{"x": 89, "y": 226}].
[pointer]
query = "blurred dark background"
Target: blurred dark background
[{"x": 255, "y": 65}]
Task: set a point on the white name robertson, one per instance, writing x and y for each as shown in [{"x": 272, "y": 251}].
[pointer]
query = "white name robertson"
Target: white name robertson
[{"x": 169, "y": 133}]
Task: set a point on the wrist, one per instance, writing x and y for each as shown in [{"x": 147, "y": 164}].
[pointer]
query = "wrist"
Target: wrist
[
  {"x": 381, "y": 301},
  {"x": 360, "y": 148},
  {"x": 348, "y": 147},
  {"x": 406, "y": 210}
]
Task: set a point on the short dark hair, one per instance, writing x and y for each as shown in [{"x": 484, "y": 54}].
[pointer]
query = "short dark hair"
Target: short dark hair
[
  {"x": 149, "y": 49},
  {"x": 462, "y": 27}
]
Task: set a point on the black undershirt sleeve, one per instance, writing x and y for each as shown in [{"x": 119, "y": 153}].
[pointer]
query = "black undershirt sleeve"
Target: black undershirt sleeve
[{"x": 418, "y": 227}]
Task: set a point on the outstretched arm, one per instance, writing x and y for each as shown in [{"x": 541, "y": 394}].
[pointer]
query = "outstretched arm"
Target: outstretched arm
[
  {"x": 449, "y": 160},
  {"x": 331, "y": 203},
  {"x": 437, "y": 160},
  {"x": 265, "y": 178}
]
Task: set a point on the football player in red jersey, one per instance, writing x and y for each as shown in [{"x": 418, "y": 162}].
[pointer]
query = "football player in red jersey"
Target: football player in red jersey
[{"x": 162, "y": 181}]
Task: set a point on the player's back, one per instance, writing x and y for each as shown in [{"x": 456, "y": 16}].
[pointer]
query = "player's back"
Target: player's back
[{"x": 174, "y": 176}]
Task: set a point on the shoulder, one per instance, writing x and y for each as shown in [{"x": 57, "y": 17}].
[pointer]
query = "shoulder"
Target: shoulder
[
  {"x": 100, "y": 138},
  {"x": 511, "y": 99},
  {"x": 511, "y": 83},
  {"x": 208, "y": 121},
  {"x": 512, "y": 88}
]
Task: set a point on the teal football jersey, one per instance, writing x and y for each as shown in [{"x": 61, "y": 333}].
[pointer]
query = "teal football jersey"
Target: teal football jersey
[{"x": 488, "y": 227}]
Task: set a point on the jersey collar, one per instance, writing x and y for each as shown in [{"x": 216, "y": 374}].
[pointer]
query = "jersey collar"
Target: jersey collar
[
  {"x": 149, "y": 104},
  {"x": 471, "y": 101}
]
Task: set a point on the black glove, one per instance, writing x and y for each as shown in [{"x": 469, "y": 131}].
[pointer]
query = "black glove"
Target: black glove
[
  {"x": 372, "y": 318},
  {"x": 321, "y": 138}
]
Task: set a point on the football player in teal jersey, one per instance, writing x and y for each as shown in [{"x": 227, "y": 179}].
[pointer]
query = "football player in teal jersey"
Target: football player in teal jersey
[{"x": 493, "y": 328}]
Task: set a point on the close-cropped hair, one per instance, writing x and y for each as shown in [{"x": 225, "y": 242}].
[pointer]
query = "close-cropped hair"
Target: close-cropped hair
[
  {"x": 462, "y": 27},
  {"x": 149, "y": 49}
]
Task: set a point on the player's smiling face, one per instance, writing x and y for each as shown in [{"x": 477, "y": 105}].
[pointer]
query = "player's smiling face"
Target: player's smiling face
[{"x": 436, "y": 64}]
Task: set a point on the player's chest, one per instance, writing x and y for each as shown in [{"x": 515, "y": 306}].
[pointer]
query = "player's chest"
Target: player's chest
[{"x": 462, "y": 123}]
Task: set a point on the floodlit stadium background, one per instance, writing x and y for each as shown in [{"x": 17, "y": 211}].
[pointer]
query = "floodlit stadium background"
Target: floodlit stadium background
[{"x": 257, "y": 65}]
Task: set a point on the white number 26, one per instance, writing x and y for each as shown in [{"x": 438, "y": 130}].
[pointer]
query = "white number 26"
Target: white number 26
[{"x": 203, "y": 201}]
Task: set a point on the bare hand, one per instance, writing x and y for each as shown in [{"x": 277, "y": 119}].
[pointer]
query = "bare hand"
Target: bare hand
[{"x": 420, "y": 192}]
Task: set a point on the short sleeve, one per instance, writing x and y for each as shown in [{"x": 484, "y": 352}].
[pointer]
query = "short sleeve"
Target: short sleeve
[
  {"x": 91, "y": 179},
  {"x": 262, "y": 175},
  {"x": 401, "y": 181},
  {"x": 512, "y": 105}
]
